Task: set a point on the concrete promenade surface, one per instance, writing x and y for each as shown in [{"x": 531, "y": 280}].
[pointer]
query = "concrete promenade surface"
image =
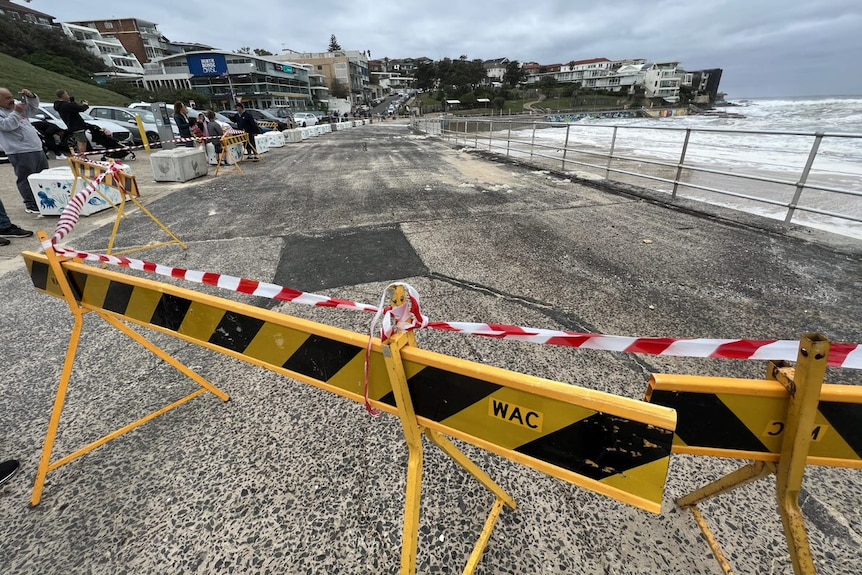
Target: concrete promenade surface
[{"x": 288, "y": 479}]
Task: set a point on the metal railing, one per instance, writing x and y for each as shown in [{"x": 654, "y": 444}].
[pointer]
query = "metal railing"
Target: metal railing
[{"x": 778, "y": 180}]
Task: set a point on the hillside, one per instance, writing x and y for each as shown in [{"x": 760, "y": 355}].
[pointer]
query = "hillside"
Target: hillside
[{"x": 16, "y": 74}]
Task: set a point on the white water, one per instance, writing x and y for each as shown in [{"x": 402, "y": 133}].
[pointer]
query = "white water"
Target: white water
[{"x": 838, "y": 163}]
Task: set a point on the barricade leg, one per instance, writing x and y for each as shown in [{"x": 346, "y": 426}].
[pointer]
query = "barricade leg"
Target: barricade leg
[
  {"x": 57, "y": 411},
  {"x": 503, "y": 498},
  {"x": 738, "y": 478},
  {"x": 804, "y": 384},
  {"x": 413, "y": 432},
  {"x": 413, "y": 436},
  {"x": 45, "y": 464},
  {"x": 175, "y": 239},
  {"x": 804, "y": 399}
]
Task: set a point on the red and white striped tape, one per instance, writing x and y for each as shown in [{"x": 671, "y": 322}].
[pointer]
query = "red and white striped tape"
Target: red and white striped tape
[
  {"x": 229, "y": 132},
  {"x": 409, "y": 316}
]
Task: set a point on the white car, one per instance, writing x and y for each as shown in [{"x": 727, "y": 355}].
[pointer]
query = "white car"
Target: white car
[
  {"x": 304, "y": 119},
  {"x": 126, "y": 117},
  {"x": 118, "y": 132}
]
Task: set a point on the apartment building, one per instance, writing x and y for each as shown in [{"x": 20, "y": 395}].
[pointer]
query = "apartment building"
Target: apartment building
[
  {"x": 346, "y": 67},
  {"x": 124, "y": 65},
  {"x": 259, "y": 81},
  {"x": 137, "y": 36},
  {"x": 24, "y": 14}
]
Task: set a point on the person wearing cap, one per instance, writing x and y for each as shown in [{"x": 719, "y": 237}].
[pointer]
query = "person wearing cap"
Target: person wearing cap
[{"x": 245, "y": 122}]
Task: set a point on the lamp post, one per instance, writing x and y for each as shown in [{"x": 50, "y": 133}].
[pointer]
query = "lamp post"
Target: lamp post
[{"x": 232, "y": 98}]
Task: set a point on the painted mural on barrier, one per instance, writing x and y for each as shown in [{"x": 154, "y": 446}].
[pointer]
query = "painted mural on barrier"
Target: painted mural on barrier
[{"x": 569, "y": 118}]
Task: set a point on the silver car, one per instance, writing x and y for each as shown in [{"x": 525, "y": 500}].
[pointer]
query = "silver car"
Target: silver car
[{"x": 127, "y": 117}]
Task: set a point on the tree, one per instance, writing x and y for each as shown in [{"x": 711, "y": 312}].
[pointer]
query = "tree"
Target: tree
[
  {"x": 244, "y": 50},
  {"x": 48, "y": 48},
  {"x": 262, "y": 52},
  {"x": 425, "y": 75},
  {"x": 514, "y": 74},
  {"x": 333, "y": 44},
  {"x": 547, "y": 85}
]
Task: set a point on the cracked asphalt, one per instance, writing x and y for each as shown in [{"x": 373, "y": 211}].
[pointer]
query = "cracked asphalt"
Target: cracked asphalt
[{"x": 286, "y": 478}]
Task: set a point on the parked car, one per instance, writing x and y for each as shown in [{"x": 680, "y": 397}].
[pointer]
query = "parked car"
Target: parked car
[
  {"x": 126, "y": 117},
  {"x": 264, "y": 116},
  {"x": 232, "y": 115},
  {"x": 120, "y": 133},
  {"x": 304, "y": 119},
  {"x": 285, "y": 113}
]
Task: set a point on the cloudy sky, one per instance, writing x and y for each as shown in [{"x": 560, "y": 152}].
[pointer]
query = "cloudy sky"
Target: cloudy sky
[{"x": 766, "y": 48}]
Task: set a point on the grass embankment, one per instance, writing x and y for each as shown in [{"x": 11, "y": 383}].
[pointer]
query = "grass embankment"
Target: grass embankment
[{"x": 16, "y": 74}]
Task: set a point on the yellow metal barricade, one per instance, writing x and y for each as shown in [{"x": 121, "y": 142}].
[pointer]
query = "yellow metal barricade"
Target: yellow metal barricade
[
  {"x": 85, "y": 171},
  {"x": 229, "y": 140},
  {"x": 790, "y": 420},
  {"x": 615, "y": 446}
]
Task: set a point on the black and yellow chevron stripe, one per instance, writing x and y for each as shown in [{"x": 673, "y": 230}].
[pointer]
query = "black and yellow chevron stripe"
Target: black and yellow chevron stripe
[
  {"x": 612, "y": 445},
  {"x": 742, "y": 418},
  {"x": 89, "y": 172}
]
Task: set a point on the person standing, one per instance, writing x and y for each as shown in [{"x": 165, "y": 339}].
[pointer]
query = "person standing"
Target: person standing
[
  {"x": 23, "y": 146},
  {"x": 181, "y": 117},
  {"x": 214, "y": 133},
  {"x": 245, "y": 122},
  {"x": 70, "y": 113}
]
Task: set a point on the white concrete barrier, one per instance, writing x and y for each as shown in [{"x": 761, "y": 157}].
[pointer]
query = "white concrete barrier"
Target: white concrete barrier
[
  {"x": 276, "y": 139},
  {"x": 52, "y": 189},
  {"x": 261, "y": 143},
  {"x": 293, "y": 136},
  {"x": 179, "y": 164}
]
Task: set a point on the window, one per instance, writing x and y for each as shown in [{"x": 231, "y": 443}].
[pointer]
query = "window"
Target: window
[{"x": 109, "y": 25}]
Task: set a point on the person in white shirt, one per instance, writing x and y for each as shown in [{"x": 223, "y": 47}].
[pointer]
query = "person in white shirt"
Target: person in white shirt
[{"x": 23, "y": 147}]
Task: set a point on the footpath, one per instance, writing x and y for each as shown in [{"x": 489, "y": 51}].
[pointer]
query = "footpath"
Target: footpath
[{"x": 286, "y": 478}]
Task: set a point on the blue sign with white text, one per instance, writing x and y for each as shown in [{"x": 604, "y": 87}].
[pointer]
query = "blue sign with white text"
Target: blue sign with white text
[{"x": 207, "y": 64}]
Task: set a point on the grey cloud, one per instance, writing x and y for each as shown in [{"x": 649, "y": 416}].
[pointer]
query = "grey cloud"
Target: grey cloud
[{"x": 766, "y": 47}]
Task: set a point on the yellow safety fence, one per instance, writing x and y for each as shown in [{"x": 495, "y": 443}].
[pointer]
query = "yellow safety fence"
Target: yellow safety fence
[
  {"x": 790, "y": 420},
  {"x": 615, "y": 446},
  {"x": 126, "y": 184}
]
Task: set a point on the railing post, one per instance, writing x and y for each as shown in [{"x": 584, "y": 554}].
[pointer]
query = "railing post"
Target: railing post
[
  {"x": 566, "y": 146},
  {"x": 533, "y": 140},
  {"x": 509, "y": 138},
  {"x": 818, "y": 137},
  {"x": 680, "y": 164},
  {"x": 611, "y": 154},
  {"x": 476, "y": 138},
  {"x": 465, "y": 130},
  {"x": 490, "y": 131}
]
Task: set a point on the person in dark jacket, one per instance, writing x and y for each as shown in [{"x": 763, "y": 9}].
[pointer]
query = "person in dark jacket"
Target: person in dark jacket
[
  {"x": 184, "y": 126},
  {"x": 70, "y": 113},
  {"x": 245, "y": 122}
]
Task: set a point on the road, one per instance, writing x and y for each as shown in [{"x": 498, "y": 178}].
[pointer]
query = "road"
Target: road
[{"x": 286, "y": 478}]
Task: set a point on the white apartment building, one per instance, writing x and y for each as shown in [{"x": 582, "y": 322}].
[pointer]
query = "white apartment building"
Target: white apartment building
[
  {"x": 348, "y": 67},
  {"x": 123, "y": 63},
  {"x": 495, "y": 70},
  {"x": 663, "y": 80}
]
